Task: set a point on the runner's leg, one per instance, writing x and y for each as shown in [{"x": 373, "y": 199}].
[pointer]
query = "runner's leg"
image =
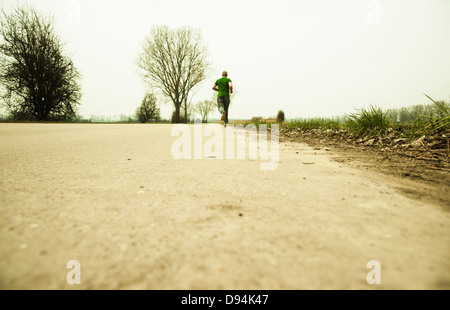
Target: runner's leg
[
  {"x": 220, "y": 104},
  {"x": 227, "y": 105}
]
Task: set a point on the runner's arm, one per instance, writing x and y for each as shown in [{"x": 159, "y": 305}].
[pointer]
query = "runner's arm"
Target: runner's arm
[
  {"x": 215, "y": 87},
  {"x": 231, "y": 87}
]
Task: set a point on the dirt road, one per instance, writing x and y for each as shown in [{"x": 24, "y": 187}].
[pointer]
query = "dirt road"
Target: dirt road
[{"x": 113, "y": 198}]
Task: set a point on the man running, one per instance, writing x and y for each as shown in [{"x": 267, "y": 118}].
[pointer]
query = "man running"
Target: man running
[{"x": 224, "y": 87}]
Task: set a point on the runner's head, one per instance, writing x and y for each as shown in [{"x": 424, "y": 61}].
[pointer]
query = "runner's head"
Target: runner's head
[{"x": 224, "y": 73}]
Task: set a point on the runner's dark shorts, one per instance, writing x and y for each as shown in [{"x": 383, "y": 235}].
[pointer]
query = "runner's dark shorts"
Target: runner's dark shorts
[{"x": 223, "y": 103}]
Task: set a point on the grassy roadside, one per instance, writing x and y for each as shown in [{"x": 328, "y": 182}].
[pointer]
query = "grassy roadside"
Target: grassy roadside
[
  {"x": 371, "y": 139},
  {"x": 375, "y": 127},
  {"x": 418, "y": 128}
]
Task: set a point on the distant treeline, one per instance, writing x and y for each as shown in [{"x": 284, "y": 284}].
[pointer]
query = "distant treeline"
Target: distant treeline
[
  {"x": 95, "y": 119},
  {"x": 421, "y": 112},
  {"x": 414, "y": 113}
]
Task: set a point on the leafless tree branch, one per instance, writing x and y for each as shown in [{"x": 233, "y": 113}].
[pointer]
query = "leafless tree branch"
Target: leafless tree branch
[
  {"x": 174, "y": 61},
  {"x": 39, "y": 82}
]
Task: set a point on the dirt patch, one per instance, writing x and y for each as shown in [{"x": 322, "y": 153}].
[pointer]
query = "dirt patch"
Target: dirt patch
[{"x": 424, "y": 164}]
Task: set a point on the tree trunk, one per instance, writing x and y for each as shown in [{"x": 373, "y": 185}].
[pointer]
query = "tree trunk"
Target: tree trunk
[
  {"x": 185, "y": 114},
  {"x": 177, "y": 113}
]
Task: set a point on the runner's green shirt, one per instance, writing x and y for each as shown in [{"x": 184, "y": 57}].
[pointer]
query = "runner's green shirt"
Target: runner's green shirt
[{"x": 224, "y": 88}]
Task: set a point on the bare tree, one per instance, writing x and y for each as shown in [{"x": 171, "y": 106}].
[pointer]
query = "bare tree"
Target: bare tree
[
  {"x": 39, "y": 82},
  {"x": 187, "y": 110},
  {"x": 148, "y": 110},
  {"x": 204, "y": 108},
  {"x": 174, "y": 62}
]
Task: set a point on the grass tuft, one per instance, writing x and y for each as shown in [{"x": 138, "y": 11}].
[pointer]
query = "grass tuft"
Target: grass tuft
[{"x": 368, "y": 122}]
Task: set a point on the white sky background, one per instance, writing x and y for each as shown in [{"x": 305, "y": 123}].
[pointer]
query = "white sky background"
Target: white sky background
[{"x": 308, "y": 58}]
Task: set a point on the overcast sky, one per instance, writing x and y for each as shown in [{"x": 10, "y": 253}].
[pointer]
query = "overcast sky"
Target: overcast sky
[{"x": 308, "y": 58}]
